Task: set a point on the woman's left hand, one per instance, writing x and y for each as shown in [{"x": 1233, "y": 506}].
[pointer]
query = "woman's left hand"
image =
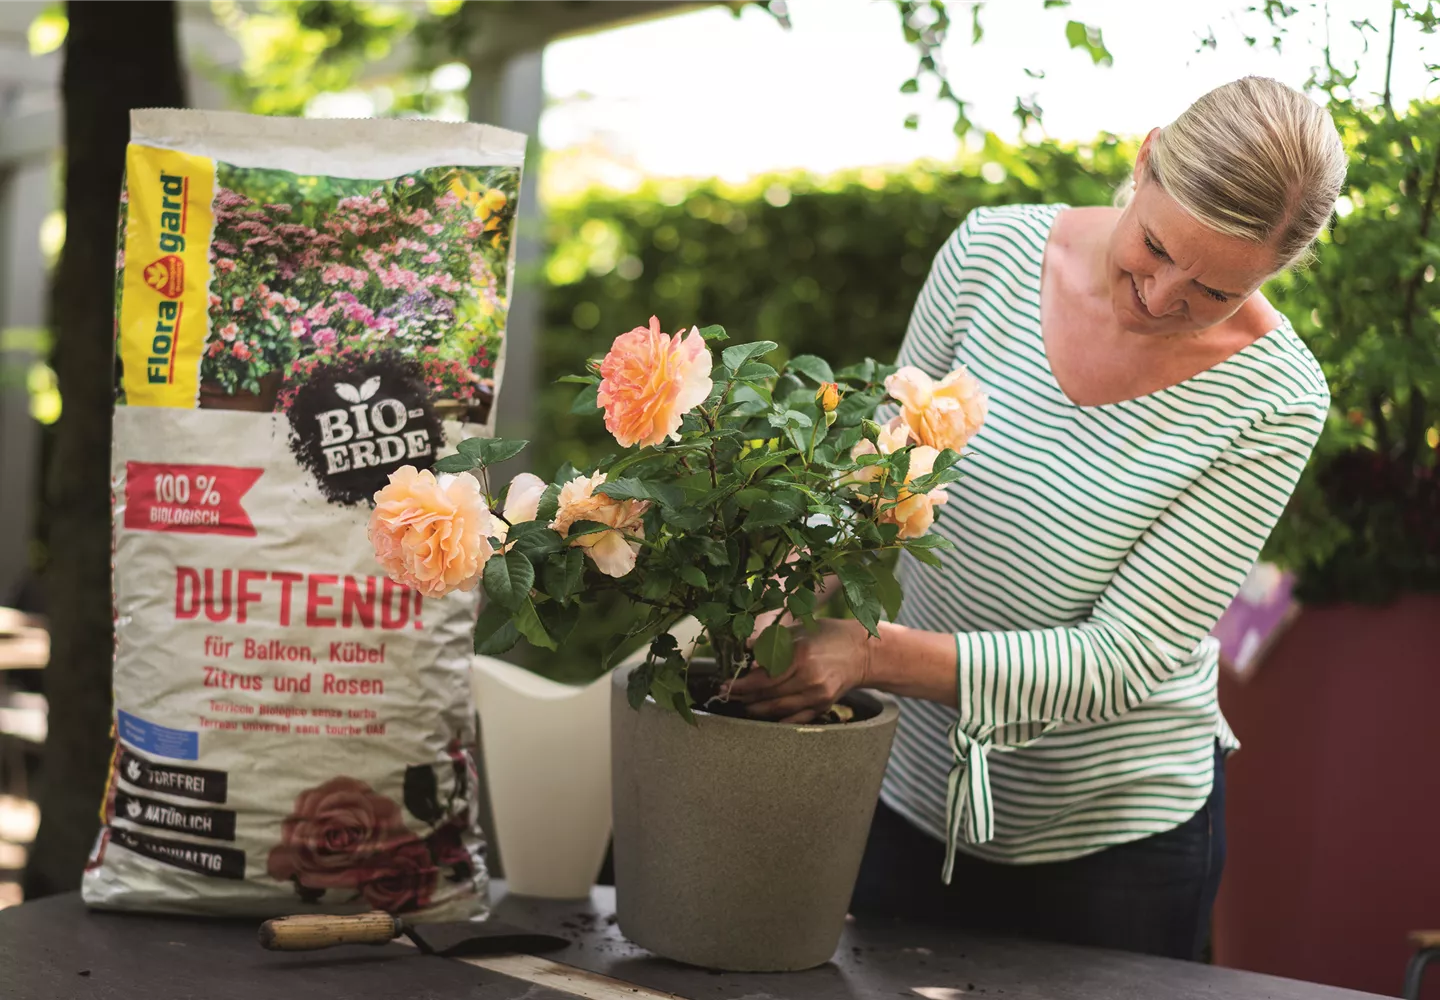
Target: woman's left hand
[{"x": 828, "y": 662}]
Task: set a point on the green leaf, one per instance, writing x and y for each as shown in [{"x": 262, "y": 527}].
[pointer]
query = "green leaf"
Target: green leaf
[
  {"x": 743, "y": 625},
  {"x": 508, "y": 579},
  {"x": 899, "y": 465},
  {"x": 637, "y": 685},
  {"x": 534, "y": 540},
  {"x": 587, "y": 528},
  {"x": 580, "y": 379},
  {"x": 788, "y": 385},
  {"x": 715, "y": 553},
  {"x": 657, "y": 585},
  {"x": 1089, "y": 38},
  {"x": 888, "y": 589},
  {"x": 736, "y": 356},
  {"x": 866, "y": 612},
  {"x": 801, "y": 603},
  {"x": 495, "y": 633},
  {"x": 558, "y": 620},
  {"x": 925, "y": 554},
  {"x": 548, "y": 506},
  {"x": 686, "y": 518},
  {"x": 864, "y": 371},
  {"x": 454, "y": 464},
  {"x": 754, "y": 371},
  {"x": 855, "y": 407},
  {"x": 714, "y": 615},
  {"x": 587, "y": 401},
  {"x": 491, "y": 451},
  {"x": 928, "y": 542},
  {"x": 857, "y": 581},
  {"x": 815, "y": 368},
  {"x": 637, "y": 489},
  {"x": 530, "y": 626},
  {"x": 912, "y": 121},
  {"x": 774, "y": 649},
  {"x": 563, "y": 573},
  {"x": 714, "y": 332},
  {"x": 693, "y": 576},
  {"x": 776, "y": 509},
  {"x": 910, "y": 86}
]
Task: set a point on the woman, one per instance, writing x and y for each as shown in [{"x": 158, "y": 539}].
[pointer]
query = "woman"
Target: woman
[{"x": 1150, "y": 414}]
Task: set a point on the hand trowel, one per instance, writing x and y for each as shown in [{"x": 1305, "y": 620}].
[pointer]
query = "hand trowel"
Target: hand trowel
[{"x": 460, "y": 939}]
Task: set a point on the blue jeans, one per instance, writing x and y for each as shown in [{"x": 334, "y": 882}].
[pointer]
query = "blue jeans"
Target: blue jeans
[{"x": 1152, "y": 895}]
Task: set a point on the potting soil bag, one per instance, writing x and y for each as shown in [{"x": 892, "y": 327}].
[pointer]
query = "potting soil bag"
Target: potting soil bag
[{"x": 302, "y": 308}]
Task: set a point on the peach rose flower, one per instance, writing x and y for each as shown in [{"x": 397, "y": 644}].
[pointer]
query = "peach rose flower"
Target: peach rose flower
[
  {"x": 431, "y": 533},
  {"x": 649, "y": 381},
  {"x": 612, "y": 553},
  {"x": 892, "y": 437},
  {"x": 944, "y": 414},
  {"x": 521, "y": 502},
  {"x": 915, "y": 512}
]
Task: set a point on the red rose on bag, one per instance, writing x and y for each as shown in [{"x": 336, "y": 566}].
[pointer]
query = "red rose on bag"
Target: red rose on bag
[
  {"x": 334, "y": 833},
  {"x": 447, "y": 847},
  {"x": 402, "y": 880}
]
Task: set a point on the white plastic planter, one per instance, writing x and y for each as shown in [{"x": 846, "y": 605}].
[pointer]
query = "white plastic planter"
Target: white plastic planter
[{"x": 546, "y": 749}]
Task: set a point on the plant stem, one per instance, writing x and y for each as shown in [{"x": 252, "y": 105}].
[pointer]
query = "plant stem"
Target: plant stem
[
  {"x": 1390, "y": 60},
  {"x": 1377, "y": 416}
]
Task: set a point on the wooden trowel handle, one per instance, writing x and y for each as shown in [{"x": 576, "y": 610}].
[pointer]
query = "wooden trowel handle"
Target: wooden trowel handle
[{"x": 312, "y": 931}]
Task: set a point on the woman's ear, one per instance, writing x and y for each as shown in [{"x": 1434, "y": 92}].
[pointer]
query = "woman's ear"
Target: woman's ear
[{"x": 1142, "y": 158}]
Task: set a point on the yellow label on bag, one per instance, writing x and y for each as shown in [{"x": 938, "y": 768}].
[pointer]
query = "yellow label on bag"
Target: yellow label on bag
[{"x": 164, "y": 304}]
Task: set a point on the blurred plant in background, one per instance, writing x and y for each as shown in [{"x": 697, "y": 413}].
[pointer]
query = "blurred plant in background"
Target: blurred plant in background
[{"x": 1365, "y": 523}]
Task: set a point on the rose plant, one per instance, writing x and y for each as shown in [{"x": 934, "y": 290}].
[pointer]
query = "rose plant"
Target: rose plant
[{"x": 741, "y": 489}]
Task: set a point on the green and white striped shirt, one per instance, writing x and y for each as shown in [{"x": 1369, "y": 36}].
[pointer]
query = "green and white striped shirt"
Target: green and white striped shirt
[{"x": 1096, "y": 547}]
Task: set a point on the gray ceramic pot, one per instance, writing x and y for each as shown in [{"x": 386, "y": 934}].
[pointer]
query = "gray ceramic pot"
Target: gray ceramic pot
[{"x": 737, "y": 842}]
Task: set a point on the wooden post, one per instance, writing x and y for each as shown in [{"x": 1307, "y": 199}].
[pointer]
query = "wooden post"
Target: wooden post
[
  {"x": 511, "y": 94},
  {"x": 117, "y": 57}
]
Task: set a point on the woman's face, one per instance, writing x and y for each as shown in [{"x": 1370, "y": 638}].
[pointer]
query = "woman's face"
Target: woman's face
[{"x": 1171, "y": 274}]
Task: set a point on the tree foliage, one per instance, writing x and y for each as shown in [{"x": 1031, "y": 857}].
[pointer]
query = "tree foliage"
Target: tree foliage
[{"x": 1365, "y": 523}]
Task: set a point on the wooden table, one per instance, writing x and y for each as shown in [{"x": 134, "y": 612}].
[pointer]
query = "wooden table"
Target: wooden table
[{"x": 53, "y": 948}]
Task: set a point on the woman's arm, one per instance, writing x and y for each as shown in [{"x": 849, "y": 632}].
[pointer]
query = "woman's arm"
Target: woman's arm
[{"x": 1010, "y": 687}]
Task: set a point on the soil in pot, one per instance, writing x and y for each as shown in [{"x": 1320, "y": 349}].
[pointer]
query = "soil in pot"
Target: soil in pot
[{"x": 706, "y": 697}]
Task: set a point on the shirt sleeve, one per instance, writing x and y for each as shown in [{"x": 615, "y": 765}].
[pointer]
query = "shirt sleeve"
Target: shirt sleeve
[{"x": 1167, "y": 595}]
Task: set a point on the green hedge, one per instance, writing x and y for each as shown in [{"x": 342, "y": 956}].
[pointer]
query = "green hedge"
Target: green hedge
[
  {"x": 830, "y": 267},
  {"x": 826, "y": 266}
]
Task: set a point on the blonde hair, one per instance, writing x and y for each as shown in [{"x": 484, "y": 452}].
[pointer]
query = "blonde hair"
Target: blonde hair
[{"x": 1252, "y": 159}]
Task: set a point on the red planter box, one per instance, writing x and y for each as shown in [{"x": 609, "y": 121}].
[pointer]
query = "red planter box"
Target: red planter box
[{"x": 1334, "y": 800}]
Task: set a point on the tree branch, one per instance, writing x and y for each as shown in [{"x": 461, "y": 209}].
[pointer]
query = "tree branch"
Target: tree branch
[{"x": 1390, "y": 59}]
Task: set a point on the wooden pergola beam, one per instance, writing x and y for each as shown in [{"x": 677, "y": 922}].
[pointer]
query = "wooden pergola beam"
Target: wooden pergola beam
[{"x": 503, "y": 29}]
